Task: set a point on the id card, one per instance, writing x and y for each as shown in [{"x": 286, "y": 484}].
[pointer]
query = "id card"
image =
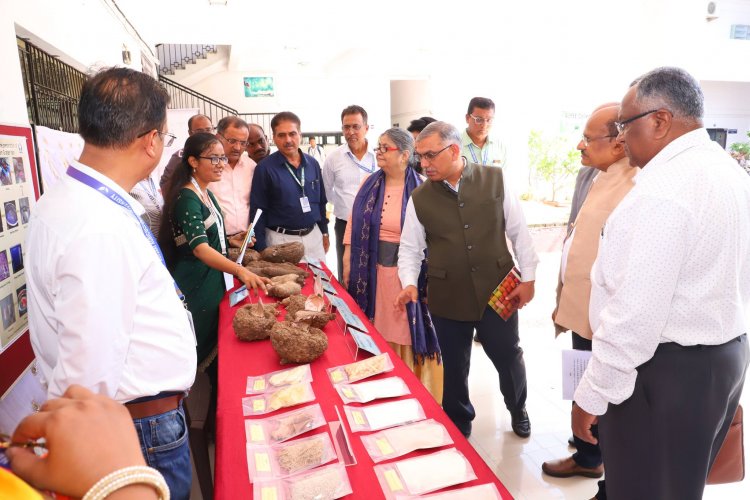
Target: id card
[{"x": 305, "y": 204}]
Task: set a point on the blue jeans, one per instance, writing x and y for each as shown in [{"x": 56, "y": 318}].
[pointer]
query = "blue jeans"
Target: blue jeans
[{"x": 164, "y": 444}]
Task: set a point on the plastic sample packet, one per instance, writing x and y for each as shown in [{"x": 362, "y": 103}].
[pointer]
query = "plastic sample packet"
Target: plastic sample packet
[
  {"x": 324, "y": 483},
  {"x": 391, "y": 387},
  {"x": 284, "y": 426},
  {"x": 361, "y": 369},
  {"x": 481, "y": 492},
  {"x": 398, "y": 441},
  {"x": 261, "y": 404},
  {"x": 286, "y": 459},
  {"x": 424, "y": 474},
  {"x": 282, "y": 378},
  {"x": 384, "y": 415}
]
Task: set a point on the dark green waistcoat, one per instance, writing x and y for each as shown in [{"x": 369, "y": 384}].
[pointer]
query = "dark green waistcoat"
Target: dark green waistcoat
[{"x": 467, "y": 250}]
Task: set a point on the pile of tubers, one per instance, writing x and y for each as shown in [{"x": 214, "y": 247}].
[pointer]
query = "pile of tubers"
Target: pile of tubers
[{"x": 254, "y": 321}]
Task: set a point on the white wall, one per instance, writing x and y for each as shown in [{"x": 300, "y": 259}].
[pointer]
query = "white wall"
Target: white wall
[{"x": 727, "y": 105}]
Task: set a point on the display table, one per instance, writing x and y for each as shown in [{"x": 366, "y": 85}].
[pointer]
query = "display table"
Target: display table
[{"x": 238, "y": 360}]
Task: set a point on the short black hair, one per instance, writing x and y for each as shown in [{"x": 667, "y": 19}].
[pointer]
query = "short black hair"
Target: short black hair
[
  {"x": 480, "y": 102},
  {"x": 354, "y": 110},
  {"x": 285, "y": 116},
  {"x": 419, "y": 124},
  {"x": 119, "y": 104},
  {"x": 231, "y": 121}
]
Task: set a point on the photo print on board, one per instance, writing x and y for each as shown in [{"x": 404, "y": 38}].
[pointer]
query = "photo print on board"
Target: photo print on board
[
  {"x": 11, "y": 213},
  {"x": 16, "y": 258},
  {"x": 4, "y": 266},
  {"x": 23, "y": 204},
  {"x": 21, "y": 297},
  {"x": 18, "y": 170},
  {"x": 8, "y": 311},
  {"x": 5, "y": 176}
]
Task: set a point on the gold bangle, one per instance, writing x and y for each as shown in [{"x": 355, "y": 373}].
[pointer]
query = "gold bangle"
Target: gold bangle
[{"x": 136, "y": 474}]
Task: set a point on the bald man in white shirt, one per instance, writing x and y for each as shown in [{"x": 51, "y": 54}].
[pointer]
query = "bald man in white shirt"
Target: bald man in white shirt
[{"x": 669, "y": 300}]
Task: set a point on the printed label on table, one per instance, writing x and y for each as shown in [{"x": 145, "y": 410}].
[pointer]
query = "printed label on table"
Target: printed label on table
[
  {"x": 236, "y": 296},
  {"x": 394, "y": 483},
  {"x": 364, "y": 341},
  {"x": 268, "y": 493},
  {"x": 384, "y": 446},
  {"x": 359, "y": 419},
  {"x": 314, "y": 262},
  {"x": 319, "y": 272},
  {"x": 337, "y": 376},
  {"x": 348, "y": 392},
  {"x": 259, "y": 385},
  {"x": 256, "y": 433},
  {"x": 337, "y": 302},
  {"x": 327, "y": 287},
  {"x": 262, "y": 462},
  {"x": 259, "y": 404}
]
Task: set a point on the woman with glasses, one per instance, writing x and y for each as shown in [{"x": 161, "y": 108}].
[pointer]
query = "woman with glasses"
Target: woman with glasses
[
  {"x": 194, "y": 243},
  {"x": 370, "y": 257}
]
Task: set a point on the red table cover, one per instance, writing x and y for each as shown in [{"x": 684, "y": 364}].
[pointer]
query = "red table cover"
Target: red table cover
[{"x": 238, "y": 360}]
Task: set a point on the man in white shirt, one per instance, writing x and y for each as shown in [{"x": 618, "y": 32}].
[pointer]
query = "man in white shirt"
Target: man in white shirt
[
  {"x": 670, "y": 298},
  {"x": 233, "y": 190},
  {"x": 462, "y": 217},
  {"x": 103, "y": 310},
  {"x": 316, "y": 151},
  {"x": 476, "y": 144},
  {"x": 343, "y": 172}
]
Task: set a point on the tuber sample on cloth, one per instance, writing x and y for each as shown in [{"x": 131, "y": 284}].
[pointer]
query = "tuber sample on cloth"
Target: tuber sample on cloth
[
  {"x": 283, "y": 290},
  {"x": 250, "y": 255},
  {"x": 312, "y": 318},
  {"x": 298, "y": 342},
  {"x": 254, "y": 321},
  {"x": 294, "y": 303},
  {"x": 287, "y": 278},
  {"x": 285, "y": 252},
  {"x": 271, "y": 269}
]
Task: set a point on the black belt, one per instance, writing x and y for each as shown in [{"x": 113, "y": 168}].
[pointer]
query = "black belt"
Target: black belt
[{"x": 293, "y": 232}]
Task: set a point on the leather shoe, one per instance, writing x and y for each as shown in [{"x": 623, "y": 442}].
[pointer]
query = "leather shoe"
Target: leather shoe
[
  {"x": 567, "y": 467},
  {"x": 519, "y": 422}
]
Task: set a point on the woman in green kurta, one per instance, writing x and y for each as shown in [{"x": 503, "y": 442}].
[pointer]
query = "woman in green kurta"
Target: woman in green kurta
[{"x": 193, "y": 240}]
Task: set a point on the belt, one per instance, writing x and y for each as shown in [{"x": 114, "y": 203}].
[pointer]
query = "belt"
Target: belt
[
  {"x": 293, "y": 232},
  {"x": 154, "y": 406}
]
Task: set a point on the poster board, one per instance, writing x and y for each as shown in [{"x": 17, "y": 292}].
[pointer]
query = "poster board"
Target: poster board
[{"x": 19, "y": 191}]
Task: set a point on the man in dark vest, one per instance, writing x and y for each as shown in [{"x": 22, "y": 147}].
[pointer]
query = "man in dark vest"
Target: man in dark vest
[{"x": 462, "y": 217}]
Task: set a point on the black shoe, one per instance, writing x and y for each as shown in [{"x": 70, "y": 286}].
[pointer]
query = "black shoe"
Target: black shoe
[
  {"x": 520, "y": 423},
  {"x": 465, "y": 429}
]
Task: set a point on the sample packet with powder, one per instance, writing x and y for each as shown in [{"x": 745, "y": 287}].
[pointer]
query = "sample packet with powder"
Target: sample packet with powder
[
  {"x": 325, "y": 483},
  {"x": 364, "y": 392},
  {"x": 271, "y": 381},
  {"x": 361, "y": 369},
  {"x": 260, "y": 404},
  {"x": 384, "y": 415},
  {"x": 481, "y": 492},
  {"x": 398, "y": 441},
  {"x": 424, "y": 474}
]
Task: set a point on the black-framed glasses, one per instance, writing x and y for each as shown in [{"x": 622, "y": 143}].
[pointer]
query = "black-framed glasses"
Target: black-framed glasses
[
  {"x": 481, "y": 121},
  {"x": 587, "y": 140},
  {"x": 232, "y": 142},
  {"x": 621, "y": 125},
  {"x": 165, "y": 136},
  {"x": 216, "y": 159},
  {"x": 429, "y": 155},
  {"x": 382, "y": 148}
]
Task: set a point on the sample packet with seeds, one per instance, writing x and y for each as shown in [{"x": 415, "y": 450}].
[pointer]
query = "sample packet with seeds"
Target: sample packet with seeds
[
  {"x": 284, "y": 426},
  {"x": 260, "y": 404},
  {"x": 361, "y": 369},
  {"x": 271, "y": 381},
  {"x": 325, "y": 483},
  {"x": 398, "y": 441},
  {"x": 286, "y": 459}
]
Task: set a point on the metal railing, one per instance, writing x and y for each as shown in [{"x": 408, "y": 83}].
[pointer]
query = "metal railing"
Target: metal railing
[
  {"x": 177, "y": 56},
  {"x": 262, "y": 119},
  {"x": 184, "y": 97},
  {"x": 52, "y": 88}
]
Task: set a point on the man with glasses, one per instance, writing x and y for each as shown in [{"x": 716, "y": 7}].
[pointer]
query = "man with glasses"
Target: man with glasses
[
  {"x": 196, "y": 124},
  {"x": 104, "y": 311},
  {"x": 257, "y": 143},
  {"x": 670, "y": 295},
  {"x": 343, "y": 172},
  {"x": 288, "y": 188},
  {"x": 476, "y": 144},
  {"x": 600, "y": 151},
  {"x": 462, "y": 217},
  {"x": 233, "y": 190}
]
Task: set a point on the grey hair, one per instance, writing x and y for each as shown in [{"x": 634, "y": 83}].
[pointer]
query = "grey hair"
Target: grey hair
[
  {"x": 447, "y": 133},
  {"x": 401, "y": 138},
  {"x": 675, "y": 89}
]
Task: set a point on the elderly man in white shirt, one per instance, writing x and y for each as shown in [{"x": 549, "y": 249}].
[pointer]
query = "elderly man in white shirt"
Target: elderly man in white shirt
[
  {"x": 669, "y": 300},
  {"x": 345, "y": 169},
  {"x": 104, "y": 311}
]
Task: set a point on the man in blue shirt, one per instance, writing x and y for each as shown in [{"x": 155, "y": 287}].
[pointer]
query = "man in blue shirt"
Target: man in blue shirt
[{"x": 287, "y": 186}]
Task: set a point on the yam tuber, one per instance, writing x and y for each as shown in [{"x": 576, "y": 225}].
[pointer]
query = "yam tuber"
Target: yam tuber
[
  {"x": 285, "y": 252},
  {"x": 297, "y": 342},
  {"x": 254, "y": 321}
]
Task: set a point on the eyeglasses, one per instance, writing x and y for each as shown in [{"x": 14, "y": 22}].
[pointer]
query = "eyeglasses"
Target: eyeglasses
[
  {"x": 356, "y": 127},
  {"x": 165, "y": 136},
  {"x": 232, "y": 142},
  {"x": 429, "y": 155},
  {"x": 215, "y": 159},
  {"x": 206, "y": 130},
  {"x": 481, "y": 121},
  {"x": 587, "y": 140},
  {"x": 382, "y": 148},
  {"x": 621, "y": 125}
]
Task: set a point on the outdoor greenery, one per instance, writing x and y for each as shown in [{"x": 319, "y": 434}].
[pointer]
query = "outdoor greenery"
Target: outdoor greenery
[
  {"x": 553, "y": 160},
  {"x": 742, "y": 148}
]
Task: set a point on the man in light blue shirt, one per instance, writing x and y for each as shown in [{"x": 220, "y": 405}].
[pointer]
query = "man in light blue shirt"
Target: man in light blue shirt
[{"x": 476, "y": 144}]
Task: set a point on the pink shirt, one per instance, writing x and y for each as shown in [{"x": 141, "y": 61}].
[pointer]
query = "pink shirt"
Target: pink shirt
[
  {"x": 390, "y": 222},
  {"x": 233, "y": 193}
]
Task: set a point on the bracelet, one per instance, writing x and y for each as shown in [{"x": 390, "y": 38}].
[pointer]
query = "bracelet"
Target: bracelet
[{"x": 136, "y": 474}]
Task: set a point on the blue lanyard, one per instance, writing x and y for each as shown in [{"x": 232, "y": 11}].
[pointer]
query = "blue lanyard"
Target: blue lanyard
[
  {"x": 116, "y": 198},
  {"x": 356, "y": 162},
  {"x": 486, "y": 153}
]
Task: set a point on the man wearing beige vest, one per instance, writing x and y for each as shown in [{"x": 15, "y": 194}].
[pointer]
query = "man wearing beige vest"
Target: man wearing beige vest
[
  {"x": 462, "y": 217},
  {"x": 599, "y": 150}
]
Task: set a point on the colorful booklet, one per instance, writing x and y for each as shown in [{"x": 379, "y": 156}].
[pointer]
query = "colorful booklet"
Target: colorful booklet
[{"x": 498, "y": 299}]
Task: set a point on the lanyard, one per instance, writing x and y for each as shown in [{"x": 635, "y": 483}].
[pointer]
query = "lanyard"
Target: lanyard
[
  {"x": 356, "y": 162},
  {"x": 300, "y": 183},
  {"x": 116, "y": 198},
  {"x": 474, "y": 157},
  {"x": 219, "y": 219},
  {"x": 151, "y": 193}
]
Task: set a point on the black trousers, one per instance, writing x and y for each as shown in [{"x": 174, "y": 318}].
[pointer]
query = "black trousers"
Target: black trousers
[
  {"x": 500, "y": 342},
  {"x": 587, "y": 454},
  {"x": 661, "y": 442},
  {"x": 339, "y": 228}
]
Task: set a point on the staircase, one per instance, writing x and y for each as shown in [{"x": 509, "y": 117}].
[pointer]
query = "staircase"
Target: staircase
[{"x": 177, "y": 56}]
